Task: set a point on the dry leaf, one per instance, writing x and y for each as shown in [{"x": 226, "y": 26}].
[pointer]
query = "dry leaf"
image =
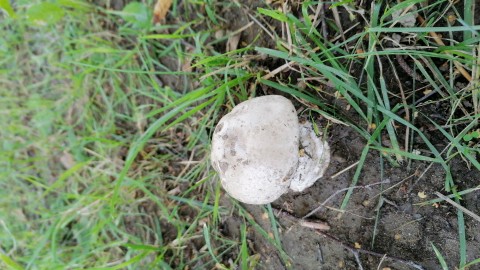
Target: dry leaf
[
  {"x": 357, "y": 245},
  {"x": 187, "y": 64},
  {"x": 360, "y": 52},
  {"x": 427, "y": 91},
  {"x": 232, "y": 42},
  {"x": 219, "y": 34},
  {"x": 452, "y": 18},
  {"x": 19, "y": 214},
  {"x": 67, "y": 160},
  {"x": 161, "y": 9},
  {"x": 174, "y": 191},
  {"x": 187, "y": 61},
  {"x": 422, "y": 195}
]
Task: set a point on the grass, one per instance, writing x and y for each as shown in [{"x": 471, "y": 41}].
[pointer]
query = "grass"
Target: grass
[
  {"x": 105, "y": 145},
  {"x": 380, "y": 115},
  {"x": 101, "y": 168}
]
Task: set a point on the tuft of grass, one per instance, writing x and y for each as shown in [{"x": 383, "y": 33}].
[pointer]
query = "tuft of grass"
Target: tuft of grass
[{"x": 106, "y": 149}]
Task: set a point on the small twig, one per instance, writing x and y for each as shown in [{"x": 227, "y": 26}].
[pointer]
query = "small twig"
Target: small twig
[
  {"x": 316, "y": 225},
  {"x": 344, "y": 170},
  {"x": 287, "y": 29},
  {"x": 324, "y": 21},
  {"x": 401, "y": 62},
  {"x": 278, "y": 70},
  {"x": 393, "y": 186},
  {"x": 318, "y": 11},
  {"x": 322, "y": 226},
  {"x": 405, "y": 106},
  {"x": 336, "y": 17},
  {"x": 381, "y": 261},
  {"x": 261, "y": 26},
  {"x": 412, "y": 186},
  {"x": 372, "y": 253},
  {"x": 357, "y": 258},
  {"x": 345, "y": 32},
  {"x": 320, "y": 254},
  {"x": 340, "y": 191},
  {"x": 463, "y": 209}
]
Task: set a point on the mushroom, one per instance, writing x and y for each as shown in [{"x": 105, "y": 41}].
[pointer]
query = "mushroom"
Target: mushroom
[{"x": 260, "y": 151}]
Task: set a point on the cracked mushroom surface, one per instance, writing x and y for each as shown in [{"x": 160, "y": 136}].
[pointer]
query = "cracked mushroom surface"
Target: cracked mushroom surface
[{"x": 255, "y": 150}]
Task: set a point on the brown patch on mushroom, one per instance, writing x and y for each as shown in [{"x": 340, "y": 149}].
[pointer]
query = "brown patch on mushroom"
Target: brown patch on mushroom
[
  {"x": 218, "y": 128},
  {"x": 223, "y": 166}
]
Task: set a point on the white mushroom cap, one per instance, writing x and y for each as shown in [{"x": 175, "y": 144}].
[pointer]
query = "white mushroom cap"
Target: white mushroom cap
[
  {"x": 260, "y": 151},
  {"x": 255, "y": 149}
]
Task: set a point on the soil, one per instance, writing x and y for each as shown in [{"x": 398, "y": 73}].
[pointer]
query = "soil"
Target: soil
[{"x": 385, "y": 225}]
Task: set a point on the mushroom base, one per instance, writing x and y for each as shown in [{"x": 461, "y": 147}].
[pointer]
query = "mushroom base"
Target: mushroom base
[{"x": 314, "y": 157}]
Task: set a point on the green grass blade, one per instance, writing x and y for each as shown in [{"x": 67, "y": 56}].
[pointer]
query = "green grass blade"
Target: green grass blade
[
  {"x": 9, "y": 262},
  {"x": 405, "y": 154},
  {"x": 244, "y": 248},
  {"x": 273, "y": 14},
  {"x": 477, "y": 261},
  {"x": 440, "y": 258},
  {"x": 468, "y": 9},
  {"x": 274, "y": 223},
  {"x": 462, "y": 236},
  {"x": 361, "y": 161},
  {"x": 208, "y": 243},
  {"x": 422, "y": 29},
  {"x": 282, "y": 254},
  {"x": 5, "y": 5}
]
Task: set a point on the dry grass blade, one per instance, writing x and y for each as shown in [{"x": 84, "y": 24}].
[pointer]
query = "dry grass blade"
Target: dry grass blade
[
  {"x": 319, "y": 9},
  {"x": 338, "y": 22},
  {"x": 277, "y": 70},
  {"x": 344, "y": 170},
  {"x": 463, "y": 209},
  {"x": 439, "y": 41}
]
